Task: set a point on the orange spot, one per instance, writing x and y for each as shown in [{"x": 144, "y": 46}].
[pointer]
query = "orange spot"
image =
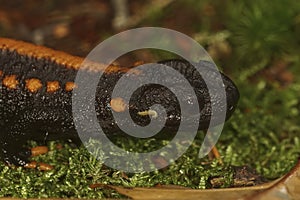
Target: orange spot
[
  {"x": 31, "y": 165},
  {"x": 52, "y": 86},
  {"x": 118, "y": 104},
  {"x": 70, "y": 86},
  {"x": 10, "y": 81},
  {"x": 1, "y": 73},
  {"x": 45, "y": 167},
  {"x": 41, "y": 166},
  {"x": 33, "y": 84},
  {"x": 35, "y": 151}
]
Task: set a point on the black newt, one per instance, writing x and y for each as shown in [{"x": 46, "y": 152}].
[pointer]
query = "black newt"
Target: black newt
[{"x": 36, "y": 86}]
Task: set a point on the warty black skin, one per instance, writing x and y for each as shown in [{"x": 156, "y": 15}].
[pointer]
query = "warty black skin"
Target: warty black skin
[{"x": 25, "y": 115}]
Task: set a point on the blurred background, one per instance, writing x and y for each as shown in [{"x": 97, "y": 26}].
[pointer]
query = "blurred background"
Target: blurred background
[
  {"x": 237, "y": 34},
  {"x": 257, "y": 43}
]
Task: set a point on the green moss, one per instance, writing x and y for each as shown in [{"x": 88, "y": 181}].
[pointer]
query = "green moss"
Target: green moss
[
  {"x": 264, "y": 130},
  {"x": 262, "y": 30}
]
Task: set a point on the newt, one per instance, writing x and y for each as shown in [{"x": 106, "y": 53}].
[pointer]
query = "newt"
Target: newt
[{"x": 37, "y": 83}]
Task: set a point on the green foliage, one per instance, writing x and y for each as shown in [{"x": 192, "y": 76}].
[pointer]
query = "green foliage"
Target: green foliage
[
  {"x": 73, "y": 172},
  {"x": 264, "y": 130},
  {"x": 262, "y": 30}
]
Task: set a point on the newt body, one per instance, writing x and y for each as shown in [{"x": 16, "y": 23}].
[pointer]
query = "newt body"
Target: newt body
[{"x": 36, "y": 85}]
